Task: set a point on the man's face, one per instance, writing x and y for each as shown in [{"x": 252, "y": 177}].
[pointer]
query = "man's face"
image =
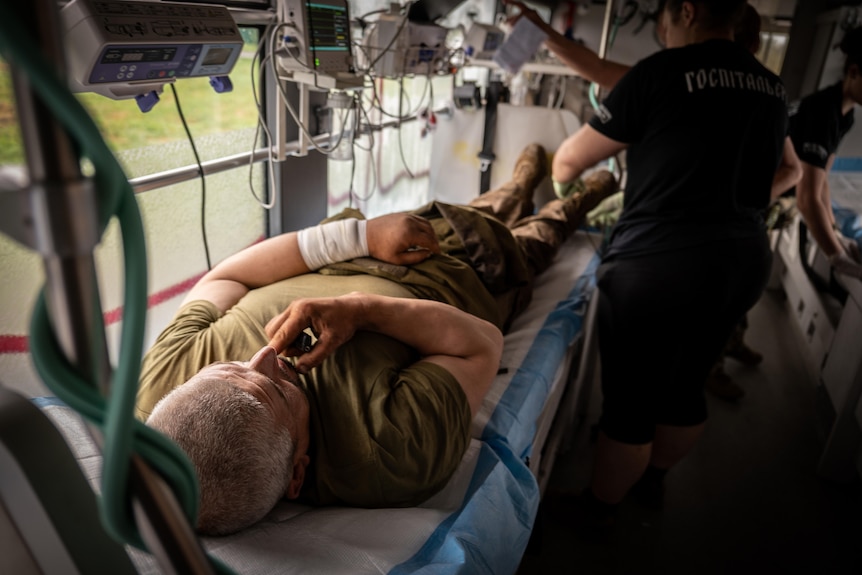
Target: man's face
[{"x": 272, "y": 381}]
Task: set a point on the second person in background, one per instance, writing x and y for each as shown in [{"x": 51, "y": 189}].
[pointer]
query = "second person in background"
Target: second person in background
[
  {"x": 704, "y": 125},
  {"x": 606, "y": 73}
]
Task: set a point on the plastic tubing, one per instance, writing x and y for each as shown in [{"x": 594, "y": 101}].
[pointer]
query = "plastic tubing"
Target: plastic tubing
[{"x": 121, "y": 430}]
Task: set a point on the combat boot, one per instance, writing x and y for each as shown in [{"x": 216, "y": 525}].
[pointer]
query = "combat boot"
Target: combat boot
[{"x": 531, "y": 167}]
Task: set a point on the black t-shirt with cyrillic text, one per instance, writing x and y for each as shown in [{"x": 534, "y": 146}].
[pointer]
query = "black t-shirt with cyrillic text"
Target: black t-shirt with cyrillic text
[{"x": 705, "y": 125}]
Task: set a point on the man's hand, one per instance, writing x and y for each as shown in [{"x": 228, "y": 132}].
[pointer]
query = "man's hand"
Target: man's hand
[
  {"x": 468, "y": 347},
  {"x": 401, "y": 239},
  {"x": 850, "y": 245},
  {"x": 842, "y": 264},
  {"x": 332, "y": 320},
  {"x": 525, "y": 12}
]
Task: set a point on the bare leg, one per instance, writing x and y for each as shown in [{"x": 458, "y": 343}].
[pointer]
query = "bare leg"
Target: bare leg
[
  {"x": 617, "y": 467},
  {"x": 672, "y": 443}
]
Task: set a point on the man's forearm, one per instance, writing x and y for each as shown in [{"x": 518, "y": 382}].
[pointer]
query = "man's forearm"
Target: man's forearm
[
  {"x": 432, "y": 328},
  {"x": 579, "y": 58},
  {"x": 785, "y": 178},
  {"x": 580, "y": 151},
  {"x": 584, "y": 61},
  {"x": 816, "y": 217},
  {"x": 789, "y": 172},
  {"x": 466, "y": 346},
  {"x": 826, "y": 201},
  {"x": 269, "y": 261}
]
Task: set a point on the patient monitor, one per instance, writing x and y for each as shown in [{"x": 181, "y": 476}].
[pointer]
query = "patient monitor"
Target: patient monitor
[
  {"x": 123, "y": 49},
  {"x": 316, "y": 36}
]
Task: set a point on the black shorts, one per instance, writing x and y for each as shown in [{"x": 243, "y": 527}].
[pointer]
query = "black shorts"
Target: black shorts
[{"x": 663, "y": 321}]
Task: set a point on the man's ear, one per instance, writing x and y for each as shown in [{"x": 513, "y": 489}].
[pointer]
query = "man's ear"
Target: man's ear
[
  {"x": 853, "y": 71},
  {"x": 299, "y": 466},
  {"x": 688, "y": 14}
]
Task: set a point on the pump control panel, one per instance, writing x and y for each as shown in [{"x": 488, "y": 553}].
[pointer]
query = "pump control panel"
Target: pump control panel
[{"x": 122, "y": 48}]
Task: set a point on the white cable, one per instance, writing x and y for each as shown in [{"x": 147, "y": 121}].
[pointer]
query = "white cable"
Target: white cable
[
  {"x": 563, "y": 89},
  {"x": 284, "y": 98},
  {"x": 370, "y": 151},
  {"x": 405, "y": 8},
  {"x": 261, "y": 123}
]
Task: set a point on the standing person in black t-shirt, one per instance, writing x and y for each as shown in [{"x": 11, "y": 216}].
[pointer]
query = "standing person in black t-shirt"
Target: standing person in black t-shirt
[
  {"x": 704, "y": 124},
  {"x": 817, "y": 125},
  {"x": 607, "y": 73}
]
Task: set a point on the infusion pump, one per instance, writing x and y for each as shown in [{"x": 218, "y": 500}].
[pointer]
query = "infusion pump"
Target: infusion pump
[{"x": 123, "y": 49}]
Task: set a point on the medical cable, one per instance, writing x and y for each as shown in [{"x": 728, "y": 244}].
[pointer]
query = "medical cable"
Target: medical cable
[
  {"x": 395, "y": 36},
  {"x": 361, "y": 108},
  {"x": 203, "y": 177},
  {"x": 563, "y": 81},
  {"x": 400, "y": 130},
  {"x": 400, "y": 117},
  {"x": 286, "y": 101},
  {"x": 121, "y": 430},
  {"x": 370, "y": 151},
  {"x": 261, "y": 123}
]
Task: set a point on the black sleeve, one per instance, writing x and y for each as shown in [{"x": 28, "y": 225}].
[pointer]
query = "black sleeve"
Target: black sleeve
[
  {"x": 623, "y": 114},
  {"x": 813, "y": 134}
]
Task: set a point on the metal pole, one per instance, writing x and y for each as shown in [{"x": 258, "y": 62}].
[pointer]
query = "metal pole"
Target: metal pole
[
  {"x": 606, "y": 30},
  {"x": 65, "y": 220},
  {"x": 187, "y": 173},
  {"x": 64, "y": 214}
]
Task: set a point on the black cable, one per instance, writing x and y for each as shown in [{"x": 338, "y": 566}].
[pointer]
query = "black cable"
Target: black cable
[
  {"x": 203, "y": 179},
  {"x": 352, "y": 175}
]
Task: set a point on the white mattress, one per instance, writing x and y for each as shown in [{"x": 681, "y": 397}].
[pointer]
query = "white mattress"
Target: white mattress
[
  {"x": 846, "y": 191},
  {"x": 481, "y": 522}
]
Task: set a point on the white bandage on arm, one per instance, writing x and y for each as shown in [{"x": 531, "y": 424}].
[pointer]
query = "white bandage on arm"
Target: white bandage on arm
[{"x": 333, "y": 242}]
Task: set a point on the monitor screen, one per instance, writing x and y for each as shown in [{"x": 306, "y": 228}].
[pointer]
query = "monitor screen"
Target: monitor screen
[
  {"x": 328, "y": 26},
  {"x": 216, "y": 56}
]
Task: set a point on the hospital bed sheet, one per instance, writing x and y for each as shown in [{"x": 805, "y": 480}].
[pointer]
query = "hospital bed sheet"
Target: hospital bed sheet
[
  {"x": 846, "y": 191},
  {"x": 481, "y": 521}
]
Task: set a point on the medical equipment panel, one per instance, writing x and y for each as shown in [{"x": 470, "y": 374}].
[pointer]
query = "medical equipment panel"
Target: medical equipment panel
[
  {"x": 125, "y": 48},
  {"x": 316, "y": 36},
  {"x": 397, "y": 47},
  {"x": 483, "y": 40}
]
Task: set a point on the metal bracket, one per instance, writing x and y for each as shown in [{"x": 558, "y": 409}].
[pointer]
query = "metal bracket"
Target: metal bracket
[
  {"x": 30, "y": 216},
  {"x": 16, "y": 214},
  {"x": 485, "y": 161},
  {"x": 304, "y": 106}
]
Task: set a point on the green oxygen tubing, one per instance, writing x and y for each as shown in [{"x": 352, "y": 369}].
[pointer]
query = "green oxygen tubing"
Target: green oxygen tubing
[{"x": 123, "y": 433}]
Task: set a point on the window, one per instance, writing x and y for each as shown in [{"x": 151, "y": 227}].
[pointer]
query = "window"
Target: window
[{"x": 222, "y": 124}]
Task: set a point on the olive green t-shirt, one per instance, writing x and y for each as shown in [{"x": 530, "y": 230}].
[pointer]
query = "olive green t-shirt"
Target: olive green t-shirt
[{"x": 387, "y": 429}]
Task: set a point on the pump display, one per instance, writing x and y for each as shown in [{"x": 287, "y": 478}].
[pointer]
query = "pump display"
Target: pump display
[{"x": 125, "y": 49}]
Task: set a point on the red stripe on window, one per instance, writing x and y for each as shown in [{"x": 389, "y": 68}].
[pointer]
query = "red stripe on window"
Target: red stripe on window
[
  {"x": 14, "y": 344},
  {"x": 19, "y": 343},
  {"x": 115, "y": 315}
]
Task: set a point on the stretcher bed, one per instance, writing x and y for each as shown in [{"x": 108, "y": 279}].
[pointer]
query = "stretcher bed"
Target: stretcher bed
[
  {"x": 846, "y": 191},
  {"x": 481, "y": 522}
]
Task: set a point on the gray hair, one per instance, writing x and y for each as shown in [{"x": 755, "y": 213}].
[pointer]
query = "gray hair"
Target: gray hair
[{"x": 243, "y": 459}]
